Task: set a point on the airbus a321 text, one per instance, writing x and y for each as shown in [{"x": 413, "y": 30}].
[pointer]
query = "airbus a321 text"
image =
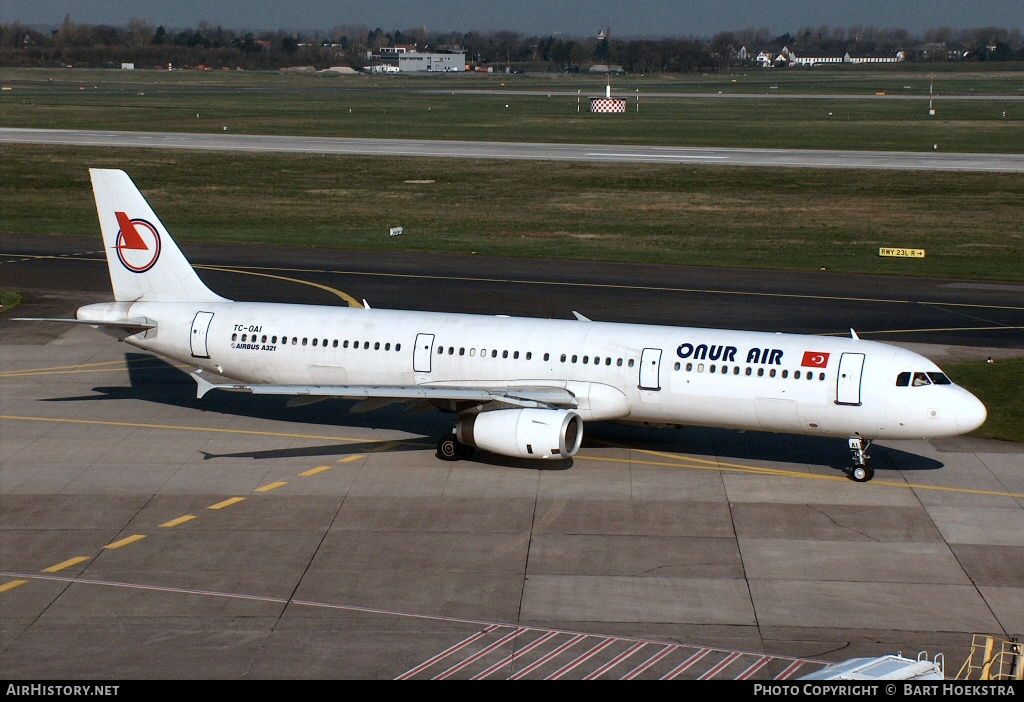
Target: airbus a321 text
[{"x": 517, "y": 386}]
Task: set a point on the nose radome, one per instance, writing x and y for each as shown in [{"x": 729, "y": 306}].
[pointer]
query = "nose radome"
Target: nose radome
[{"x": 970, "y": 413}]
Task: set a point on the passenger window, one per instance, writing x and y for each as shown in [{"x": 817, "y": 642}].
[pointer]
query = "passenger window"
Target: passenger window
[
  {"x": 440, "y": 349},
  {"x": 618, "y": 361},
  {"x": 586, "y": 358},
  {"x": 785, "y": 374},
  {"x": 677, "y": 365},
  {"x": 462, "y": 350},
  {"x": 689, "y": 367},
  {"x": 940, "y": 379},
  {"x": 760, "y": 372},
  {"x": 334, "y": 344},
  {"x": 472, "y": 352},
  {"x": 295, "y": 340},
  {"x": 748, "y": 370},
  {"x": 810, "y": 375},
  {"x": 547, "y": 356},
  {"x": 821, "y": 376},
  {"x": 387, "y": 346},
  {"x": 735, "y": 370},
  {"x": 234, "y": 337},
  {"x": 264, "y": 339},
  {"x": 563, "y": 358},
  {"x": 771, "y": 373},
  {"x": 494, "y": 353},
  {"x": 700, "y": 367},
  {"x": 451, "y": 350},
  {"x": 355, "y": 344},
  {"x": 630, "y": 364},
  {"x": 921, "y": 379},
  {"x": 515, "y": 355},
  {"x": 529, "y": 355},
  {"x": 504, "y": 354},
  {"x": 398, "y": 347},
  {"x": 713, "y": 368},
  {"x": 796, "y": 375},
  {"x": 345, "y": 343},
  {"x": 574, "y": 357},
  {"x": 244, "y": 337},
  {"x": 304, "y": 340},
  {"x": 273, "y": 339},
  {"x": 608, "y": 361},
  {"x": 324, "y": 343}
]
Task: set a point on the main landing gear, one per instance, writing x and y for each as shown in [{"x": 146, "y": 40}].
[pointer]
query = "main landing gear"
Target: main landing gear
[
  {"x": 861, "y": 471},
  {"x": 449, "y": 448}
]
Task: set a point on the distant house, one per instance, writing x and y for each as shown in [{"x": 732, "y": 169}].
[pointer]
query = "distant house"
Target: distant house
[{"x": 764, "y": 60}]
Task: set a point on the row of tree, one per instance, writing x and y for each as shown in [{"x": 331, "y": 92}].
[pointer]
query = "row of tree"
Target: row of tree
[{"x": 140, "y": 43}]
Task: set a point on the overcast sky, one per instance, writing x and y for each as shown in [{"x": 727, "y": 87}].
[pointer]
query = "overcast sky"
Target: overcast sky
[{"x": 542, "y": 17}]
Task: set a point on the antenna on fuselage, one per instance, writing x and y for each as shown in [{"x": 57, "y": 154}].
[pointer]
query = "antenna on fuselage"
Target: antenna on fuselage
[{"x": 853, "y": 334}]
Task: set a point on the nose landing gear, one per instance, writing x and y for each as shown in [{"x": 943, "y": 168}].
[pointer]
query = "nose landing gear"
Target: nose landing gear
[{"x": 861, "y": 471}]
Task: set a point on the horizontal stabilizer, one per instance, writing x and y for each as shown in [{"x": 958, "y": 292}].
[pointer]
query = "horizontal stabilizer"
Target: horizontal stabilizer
[{"x": 120, "y": 329}]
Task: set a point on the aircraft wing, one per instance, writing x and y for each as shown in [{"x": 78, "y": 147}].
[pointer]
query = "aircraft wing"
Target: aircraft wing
[{"x": 545, "y": 397}]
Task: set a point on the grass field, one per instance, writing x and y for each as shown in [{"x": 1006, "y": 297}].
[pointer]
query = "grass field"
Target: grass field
[
  {"x": 998, "y": 385},
  {"x": 9, "y": 300},
  {"x": 788, "y": 108},
  {"x": 969, "y": 224}
]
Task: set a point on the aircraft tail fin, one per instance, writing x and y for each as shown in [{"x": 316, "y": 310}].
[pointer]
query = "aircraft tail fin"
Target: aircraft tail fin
[{"x": 144, "y": 262}]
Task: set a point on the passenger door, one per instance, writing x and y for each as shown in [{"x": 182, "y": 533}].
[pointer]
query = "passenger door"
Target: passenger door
[
  {"x": 650, "y": 369},
  {"x": 851, "y": 367},
  {"x": 200, "y": 330}
]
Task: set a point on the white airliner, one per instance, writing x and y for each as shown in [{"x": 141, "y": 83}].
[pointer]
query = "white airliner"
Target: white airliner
[{"x": 518, "y": 386}]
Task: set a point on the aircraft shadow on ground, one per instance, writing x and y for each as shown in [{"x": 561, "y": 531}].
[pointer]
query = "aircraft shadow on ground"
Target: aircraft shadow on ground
[{"x": 153, "y": 379}]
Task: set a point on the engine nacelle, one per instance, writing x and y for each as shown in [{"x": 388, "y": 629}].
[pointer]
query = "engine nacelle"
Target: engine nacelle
[{"x": 523, "y": 433}]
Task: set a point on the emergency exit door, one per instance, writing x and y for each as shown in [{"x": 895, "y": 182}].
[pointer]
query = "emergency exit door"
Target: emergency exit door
[{"x": 421, "y": 354}]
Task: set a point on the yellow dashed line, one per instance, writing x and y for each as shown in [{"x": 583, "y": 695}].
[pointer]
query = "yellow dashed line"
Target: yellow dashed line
[
  {"x": 349, "y": 459},
  {"x": 179, "y": 520},
  {"x": 314, "y": 471},
  {"x": 66, "y": 564},
  {"x": 386, "y": 447},
  {"x": 226, "y": 503},
  {"x": 271, "y": 486},
  {"x": 214, "y": 430},
  {"x": 11, "y": 585},
  {"x": 124, "y": 542}
]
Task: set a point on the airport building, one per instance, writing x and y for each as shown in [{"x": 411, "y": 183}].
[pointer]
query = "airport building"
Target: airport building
[{"x": 405, "y": 59}]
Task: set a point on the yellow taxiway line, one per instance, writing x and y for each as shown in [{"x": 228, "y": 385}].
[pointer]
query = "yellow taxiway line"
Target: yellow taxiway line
[
  {"x": 182, "y": 427},
  {"x": 352, "y": 302},
  {"x": 66, "y": 564},
  {"x": 179, "y": 520},
  {"x": 227, "y": 503},
  {"x": 124, "y": 542}
]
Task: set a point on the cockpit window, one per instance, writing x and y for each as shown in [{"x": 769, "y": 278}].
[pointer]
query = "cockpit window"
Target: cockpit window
[
  {"x": 903, "y": 380},
  {"x": 940, "y": 379},
  {"x": 921, "y": 379}
]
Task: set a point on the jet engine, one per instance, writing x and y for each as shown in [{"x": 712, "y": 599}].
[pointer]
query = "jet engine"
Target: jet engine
[{"x": 524, "y": 433}]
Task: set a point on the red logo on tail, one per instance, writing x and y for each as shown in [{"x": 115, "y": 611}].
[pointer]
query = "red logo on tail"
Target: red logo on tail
[{"x": 138, "y": 243}]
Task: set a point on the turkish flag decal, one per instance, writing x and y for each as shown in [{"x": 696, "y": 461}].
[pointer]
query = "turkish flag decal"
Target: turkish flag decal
[{"x": 814, "y": 359}]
